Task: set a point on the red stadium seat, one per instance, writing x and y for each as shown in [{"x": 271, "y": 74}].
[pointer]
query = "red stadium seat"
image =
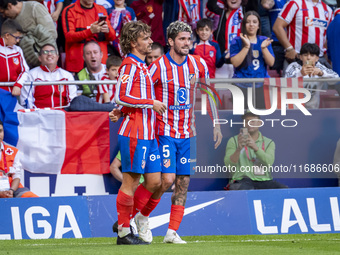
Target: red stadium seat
[{"x": 329, "y": 99}]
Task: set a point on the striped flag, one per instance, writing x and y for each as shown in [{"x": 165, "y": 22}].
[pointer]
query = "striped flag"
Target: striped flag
[
  {"x": 271, "y": 84},
  {"x": 55, "y": 141}
]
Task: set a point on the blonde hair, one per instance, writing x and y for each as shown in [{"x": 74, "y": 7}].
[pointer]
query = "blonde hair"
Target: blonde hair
[
  {"x": 177, "y": 27},
  {"x": 130, "y": 33}
]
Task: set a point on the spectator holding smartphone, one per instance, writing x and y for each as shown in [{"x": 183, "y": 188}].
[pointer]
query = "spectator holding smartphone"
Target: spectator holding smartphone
[
  {"x": 250, "y": 152},
  {"x": 309, "y": 67},
  {"x": 84, "y": 21}
]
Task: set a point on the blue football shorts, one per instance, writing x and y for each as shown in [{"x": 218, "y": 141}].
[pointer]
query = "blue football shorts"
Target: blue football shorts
[
  {"x": 139, "y": 156},
  {"x": 177, "y": 155}
]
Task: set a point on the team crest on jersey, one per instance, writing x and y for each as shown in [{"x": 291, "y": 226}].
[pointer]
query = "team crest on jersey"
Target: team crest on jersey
[
  {"x": 143, "y": 164},
  {"x": 16, "y": 61},
  {"x": 166, "y": 163},
  {"x": 9, "y": 151},
  {"x": 256, "y": 53},
  {"x": 125, "y": 78},
  {"x": 149, "y": 8},
  {"x": 211, "y": 53}
]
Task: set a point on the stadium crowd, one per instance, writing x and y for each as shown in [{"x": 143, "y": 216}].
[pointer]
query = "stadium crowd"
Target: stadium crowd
[{"x": 240, "y": 38}]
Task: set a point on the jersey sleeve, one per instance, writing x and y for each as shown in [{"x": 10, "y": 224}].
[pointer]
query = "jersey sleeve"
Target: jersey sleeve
[
  {"x": 289, "y": 11},
  {"x": 235, "y": 46},
  {"x": 129, "y": 77}
]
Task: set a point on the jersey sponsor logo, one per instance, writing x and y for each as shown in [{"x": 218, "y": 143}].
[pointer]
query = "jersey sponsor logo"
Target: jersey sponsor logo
[
  {"x": 166, "y": 163},
  {"x": 180, "y": 107},
  {"x": 16, "y": 61},
  {"x": 256, "y": 53},
  {"x": 313, "y": 22},
  {"x": 182, "y": 95},
  {"x": 125, "y": 78},
  {"x": 211, "y": 53},
  {"x": 153, "y": 157},
  {"x": 9, "y": 151}
]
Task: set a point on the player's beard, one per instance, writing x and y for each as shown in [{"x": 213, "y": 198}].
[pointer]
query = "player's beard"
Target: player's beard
[{"x": 179, "y": 51}]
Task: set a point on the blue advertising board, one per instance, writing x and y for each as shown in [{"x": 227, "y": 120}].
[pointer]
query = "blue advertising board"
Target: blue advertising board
[{"x": 283, "y": 211}]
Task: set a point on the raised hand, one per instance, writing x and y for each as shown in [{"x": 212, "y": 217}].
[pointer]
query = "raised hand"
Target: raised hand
[
  {"x": 245, "y": 40},
  {"x": 266, "y": 43}
]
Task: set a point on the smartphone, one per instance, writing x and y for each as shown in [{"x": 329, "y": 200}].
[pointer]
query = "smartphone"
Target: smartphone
[
  {"x": 244, "y": 132},
  {"x": 309, "y": 63},
  {"x": 101, "y": 18}
]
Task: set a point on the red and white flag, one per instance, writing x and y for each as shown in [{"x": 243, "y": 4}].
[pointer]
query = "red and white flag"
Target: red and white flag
[{"x": 271, "y": 84}]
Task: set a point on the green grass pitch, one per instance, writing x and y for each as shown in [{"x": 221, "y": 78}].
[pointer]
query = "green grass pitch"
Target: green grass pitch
[{"x": 269, "y": 244}]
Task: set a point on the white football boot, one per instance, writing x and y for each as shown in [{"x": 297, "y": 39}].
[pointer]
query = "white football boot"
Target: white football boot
[
  {"x": 143, "y": 228},
  {"x": 172, "y": 237}
]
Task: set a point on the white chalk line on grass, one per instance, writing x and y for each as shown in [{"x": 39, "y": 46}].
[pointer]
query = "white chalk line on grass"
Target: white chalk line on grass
[{"x": 197, "y": 241}]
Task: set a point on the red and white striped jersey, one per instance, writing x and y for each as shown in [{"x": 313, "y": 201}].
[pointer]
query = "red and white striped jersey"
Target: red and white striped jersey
[
  {"x": 13, "y": 65},
  {"x": 233, "y": 26},
  {"x": 106, "y": 88},
  {"x": 189, "y": 11},
  {"x": 136, "y": 93},
  {"x": 175, "y": 86},
  {"x": 308, "y": 22},
  {"x": 48, "y": 95}
]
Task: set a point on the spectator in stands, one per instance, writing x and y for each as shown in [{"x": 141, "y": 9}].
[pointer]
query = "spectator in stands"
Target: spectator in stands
[
  {"x": 310, "y": 67},
  {"x": 85, "y": 21},
  {"x": 305, "y": 21},
  {"x": 250, "y": 150},
  {"x": 107, "y": 4},
  {"x": 11, "y": 170},
  {"x": 12, "y": 61},
  {"x": 206, "y": 48},
  {"x": 119, "y": 16},
  {"x": 106, "y": 92},
  {"x": 250, "y": 53},
  {"x": 50, "y": 95},
  {"x": 94, "y": 70},
  {"x": 54, "y": 7},
  {"x": 274, "y": 7},
  {"x": 36, "y": 23},
  {"x": 333, "y": 33},
  {"x": 150, "y": 12},
  {"x": 229, "y": 27},
  {"x": 157, "y": 51}
]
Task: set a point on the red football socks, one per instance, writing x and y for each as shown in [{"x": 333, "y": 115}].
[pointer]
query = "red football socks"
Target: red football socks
[
  {"x": 150, "y": 206},
  {"x": 176, "y": 216},
  {"x": 141, "y": 197},
  {"x": 124, "y": 208}
]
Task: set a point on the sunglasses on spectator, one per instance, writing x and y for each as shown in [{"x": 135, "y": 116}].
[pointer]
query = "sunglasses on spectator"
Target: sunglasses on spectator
[
  {"x": 18, "y": 38},
  {"x": 46, "y": 52}
]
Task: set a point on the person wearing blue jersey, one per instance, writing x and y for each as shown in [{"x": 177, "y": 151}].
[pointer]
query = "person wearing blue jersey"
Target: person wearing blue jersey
[{"x": 250, "y": 54}]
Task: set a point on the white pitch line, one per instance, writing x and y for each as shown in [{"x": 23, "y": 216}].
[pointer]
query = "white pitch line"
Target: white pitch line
[{"x": 197, "y": 241}]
